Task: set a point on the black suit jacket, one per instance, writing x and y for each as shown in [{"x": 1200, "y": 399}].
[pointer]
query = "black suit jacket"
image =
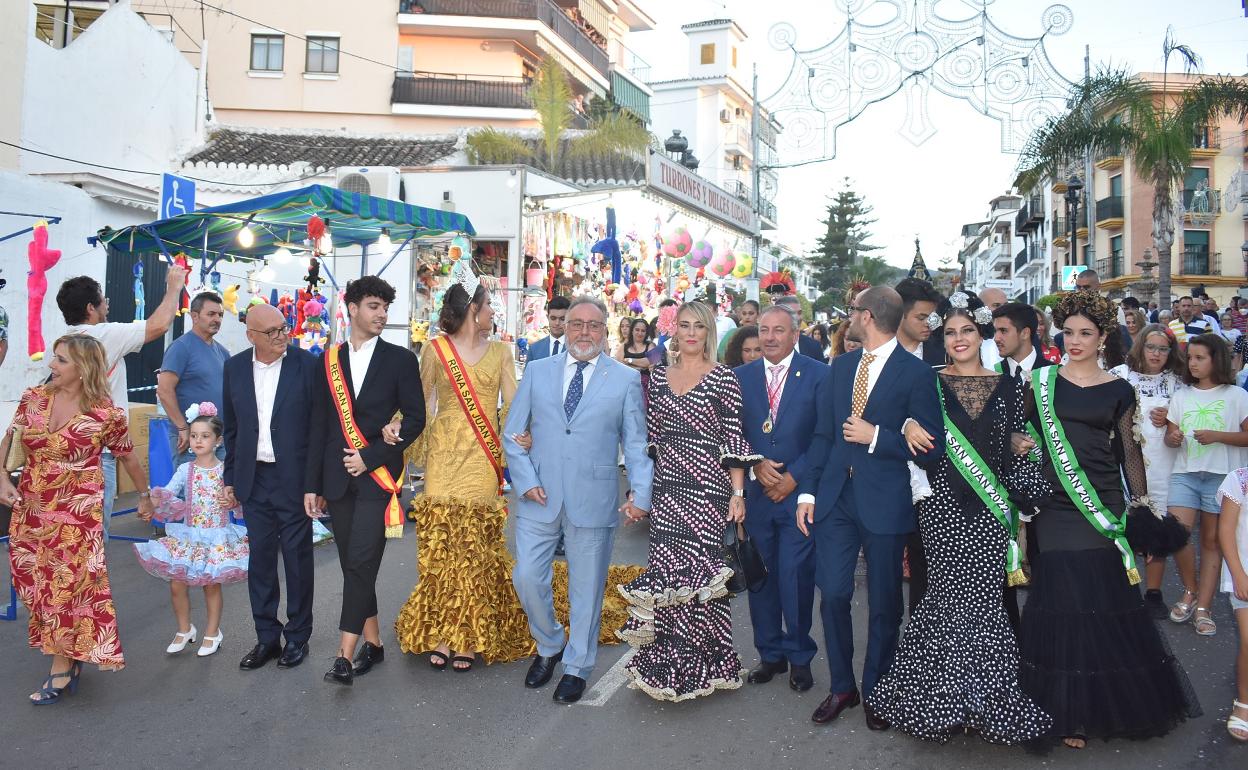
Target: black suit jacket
[
  {"x": 242, "y": 424},
  {"x": 391, "y": 385}
]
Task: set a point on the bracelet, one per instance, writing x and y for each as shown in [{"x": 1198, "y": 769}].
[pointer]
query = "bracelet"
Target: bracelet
[
  {"x": 145, "y": 495},
  {"x": 739, "y": 493}
]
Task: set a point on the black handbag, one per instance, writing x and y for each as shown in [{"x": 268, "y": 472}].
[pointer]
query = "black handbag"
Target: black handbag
[{"x": 742, "y": 556}]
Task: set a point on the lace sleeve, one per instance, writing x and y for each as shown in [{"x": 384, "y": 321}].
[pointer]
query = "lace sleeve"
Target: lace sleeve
[{"x": 1131, "y": 455}]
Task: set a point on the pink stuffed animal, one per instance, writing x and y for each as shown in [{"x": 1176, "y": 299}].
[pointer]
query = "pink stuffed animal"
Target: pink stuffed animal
[{"x": 42, "y": 259}]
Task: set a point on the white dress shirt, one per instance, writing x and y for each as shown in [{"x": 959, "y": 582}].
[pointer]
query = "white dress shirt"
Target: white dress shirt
[
  {"x": 787, "y": 363},
  {"x": 359, "y": 361},
  {"x": 917, "y": 352},
  {"x": 555, "y": 342},
  {"x": 266, "y": 377},
  {"x": 1027, "y": 364},
  {"x": 569, "y": 371},
  {"x": 989, "y": 354}
]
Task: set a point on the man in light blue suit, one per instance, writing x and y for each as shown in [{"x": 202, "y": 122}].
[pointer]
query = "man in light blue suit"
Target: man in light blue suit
[
  {"x": 779, "y": 413},
  {"x": 580, "y": 406},
  {"x": 554, "y": 343}
]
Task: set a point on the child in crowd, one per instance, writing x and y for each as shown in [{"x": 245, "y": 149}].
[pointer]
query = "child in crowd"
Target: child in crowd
[
  {"x": 201, "y": 546},
  {"x": 1233, "y": 538}
]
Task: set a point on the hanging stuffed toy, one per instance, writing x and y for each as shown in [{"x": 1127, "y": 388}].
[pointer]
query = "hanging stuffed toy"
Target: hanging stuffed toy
[
  {"x": 316, "y": 231},
  {"x": 313, "y": 277},
  {"x": 214, "y": 280},
  {"x": 286, "y": 304},
  {"x": 230, "y": 298},
  {"x": 42, "y": 259},
  {"x": 140, "y": 301},
  {"x": 184, "y": 300}
]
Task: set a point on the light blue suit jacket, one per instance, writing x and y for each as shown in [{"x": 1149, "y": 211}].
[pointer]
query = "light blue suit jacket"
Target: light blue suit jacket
[{"x": 574, "y": 461}]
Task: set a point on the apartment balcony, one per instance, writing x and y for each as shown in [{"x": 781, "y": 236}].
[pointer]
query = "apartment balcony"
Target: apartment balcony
[
  {"x": 1061, "y": 231},
  {"x": 741, "y": 190},
  {"x": 1109, "y": 213},
  {"x": 495, "y": 17},
  {"x": 1108, "y": 159},
  {"x": 628, "y": 60},
  {"x": 1206, "y": 142},
  {"x": 767, "y": 212},
  {"x": 1030, "y": 215},
  {"x": 1198, "y": 261},
  {"x": 997, "y": 255},
  {"x": 1200, "y": 206},
  {"x": 629, "y": 96},
  {"x": 1112, "y": 266},
  {"x": 459, "y": 91},
  {"x": 737, "y": 140},
  {"x": 767, "y": 133},
  {"x": 1031, "y": 260}
]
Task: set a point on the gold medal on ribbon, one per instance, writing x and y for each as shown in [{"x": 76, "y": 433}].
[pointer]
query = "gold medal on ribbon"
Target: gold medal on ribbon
[{"x": 767, "y": 425}]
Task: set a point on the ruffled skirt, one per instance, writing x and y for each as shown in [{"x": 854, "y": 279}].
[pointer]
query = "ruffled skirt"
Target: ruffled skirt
[
  {"x": 197, "y": 556},
  {"x": 1091, "y": 656}
]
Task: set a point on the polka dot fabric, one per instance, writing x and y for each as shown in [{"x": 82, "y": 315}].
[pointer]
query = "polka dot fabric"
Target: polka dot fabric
[
  {"x": 957, "y": 665},
  {"x": 680, "y": 620}
]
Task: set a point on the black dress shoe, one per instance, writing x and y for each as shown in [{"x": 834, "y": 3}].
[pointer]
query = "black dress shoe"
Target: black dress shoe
[
  {"x": 765, "y": 670},
  {"x": 800, "y": 678},
  {"x": 570, "y": 689},
  {"x": 874, "y": 721},
  {"x": 341, "y": 672},
  {"x": 293, "y": 654},
  {"x": 541, "y": 670},
  {"x": 368, "y": 656},
  {"x": 259, "y": 655},
  {"x": 833, "y": 705}
]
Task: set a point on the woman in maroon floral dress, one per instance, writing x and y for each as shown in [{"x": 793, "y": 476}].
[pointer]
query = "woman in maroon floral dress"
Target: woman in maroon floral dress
[
  {"x": 679, "y": 615},
  {"x": 56, "y": 543}
]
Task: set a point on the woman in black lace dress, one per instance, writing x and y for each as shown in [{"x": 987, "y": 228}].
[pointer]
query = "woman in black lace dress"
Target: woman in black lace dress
[
  {"x": 1091, "y": 656},
  {"x": 957, "y": 666}
]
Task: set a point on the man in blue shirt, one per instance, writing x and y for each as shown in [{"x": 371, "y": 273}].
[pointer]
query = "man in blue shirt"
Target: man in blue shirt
[{"x": 193, "y": 370}]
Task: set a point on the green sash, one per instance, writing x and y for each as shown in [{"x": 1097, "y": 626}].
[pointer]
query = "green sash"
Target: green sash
[
  {"x": 979, "y": 477},
  {"x": 1073, "y": 479}
]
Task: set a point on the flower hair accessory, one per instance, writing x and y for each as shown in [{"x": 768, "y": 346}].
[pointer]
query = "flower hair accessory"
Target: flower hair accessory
[
  {"x": 202, "y": 409},
  {"x": 959, "y": 300},
  {"x": 983, "y": 316},
  {"x": 666, "y": 323},
  {"x": 933, "y": 320}
]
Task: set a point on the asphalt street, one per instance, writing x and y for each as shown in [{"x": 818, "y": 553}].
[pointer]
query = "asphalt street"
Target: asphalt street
[{"x": 184, "y": 711}]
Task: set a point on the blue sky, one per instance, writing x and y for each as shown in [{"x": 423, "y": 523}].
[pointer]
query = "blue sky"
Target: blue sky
[{"x": 932, "y": 189}]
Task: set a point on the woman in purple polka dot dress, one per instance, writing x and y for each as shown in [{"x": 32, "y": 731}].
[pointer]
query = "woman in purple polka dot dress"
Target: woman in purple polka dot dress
[{"x": 679, "y": 615}]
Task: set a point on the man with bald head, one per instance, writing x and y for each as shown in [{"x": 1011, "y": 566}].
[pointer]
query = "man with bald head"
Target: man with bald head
[{"x": 266, "y": 389}]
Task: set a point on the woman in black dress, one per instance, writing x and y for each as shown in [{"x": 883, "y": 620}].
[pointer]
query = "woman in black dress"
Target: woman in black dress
[
  {"x": 957, "y": 666},
  {"x": 1091, "y": 656}
]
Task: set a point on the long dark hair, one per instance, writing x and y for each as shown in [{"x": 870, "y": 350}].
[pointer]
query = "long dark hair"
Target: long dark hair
[
  {"x": 628, "y": 343},
  {"x": 1219, "y": 352},
  {"x": 732, "y": 353},
  {"x": 455, "y": 307}
]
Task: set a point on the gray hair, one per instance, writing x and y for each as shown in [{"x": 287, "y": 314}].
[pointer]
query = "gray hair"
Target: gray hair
[
  {"x": 793, "y": 317},
  {"x": 197, "y": 304},
  {"x": 585, "y": 299}
]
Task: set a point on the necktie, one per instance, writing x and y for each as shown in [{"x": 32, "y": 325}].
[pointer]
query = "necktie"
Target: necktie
[
  {"x": 773, "y": 388},
  {"x": 554, "y": 348},
  {"x": 575, "y": 389},
  {"x": 859, "y": 403}
]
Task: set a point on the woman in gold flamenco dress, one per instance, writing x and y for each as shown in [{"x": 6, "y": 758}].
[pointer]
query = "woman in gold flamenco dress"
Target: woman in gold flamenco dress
[{"x": 464, "y": 604}]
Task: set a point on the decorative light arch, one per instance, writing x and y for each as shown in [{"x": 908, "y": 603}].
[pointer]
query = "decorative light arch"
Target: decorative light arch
[{"x": 1003, "y": 76}]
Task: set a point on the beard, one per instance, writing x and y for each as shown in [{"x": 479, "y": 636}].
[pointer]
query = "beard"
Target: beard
[{"x": 584, "y": 351}]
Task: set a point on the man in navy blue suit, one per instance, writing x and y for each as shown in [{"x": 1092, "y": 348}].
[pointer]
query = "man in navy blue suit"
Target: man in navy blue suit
[
  {"x": 266, "y": 396},
  {"x": 856, "y": 493},
  {"x": 778, "y": 394},
  {"x": 552, "y": 344}
]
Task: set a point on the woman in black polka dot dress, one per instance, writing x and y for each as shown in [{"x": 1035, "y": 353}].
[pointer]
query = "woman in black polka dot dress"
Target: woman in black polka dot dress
[
  {"x": 679, "y": 615},
  {"x": 956, "y": 669}
]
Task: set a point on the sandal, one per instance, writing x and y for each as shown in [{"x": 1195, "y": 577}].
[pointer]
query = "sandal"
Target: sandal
[
  {"x": 1182, "y": 611},
  {"x": 437, "y": 660},
  {"x": 1237, "y": 726},
  {"x": 1204, "y": 623},
  {"x": 48, "y": 694},
  {"x": 468, "y": 659}
]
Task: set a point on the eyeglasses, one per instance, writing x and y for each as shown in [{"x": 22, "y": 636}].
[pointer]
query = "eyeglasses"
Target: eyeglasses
[
  {"x": 1162, "y": 349},
  {"x": 857, "y": 309},
  {"x": 273, "y": 334},
  {"x": 579, "y": 326}
]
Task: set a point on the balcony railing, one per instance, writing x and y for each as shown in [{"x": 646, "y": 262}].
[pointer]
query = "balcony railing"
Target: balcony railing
[
  {"x": 1109, "y": 208},
  {"x": 1207, "y": 138},
  {"x": 1198, "y": 261},
  {"x": 1020, "y": 259},
  {"x": 541, "y": 10},
  {"x": 1197, "y": 202},
  {"x": 767, "y": 210},
  {"x": 630, "y": 62},
  {"x": 1111, "y": 266},
  {"x": 741, "y": 190},
  {"x": 1061, "y": 228},
  {"x": 766, "y": 133},
  {"x": 451, "y": 90}
]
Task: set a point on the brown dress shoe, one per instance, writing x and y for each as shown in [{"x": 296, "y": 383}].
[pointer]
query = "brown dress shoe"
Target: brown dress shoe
[
  {"x": 874, "y": 721},
  {"x": 833, "y": 705}
]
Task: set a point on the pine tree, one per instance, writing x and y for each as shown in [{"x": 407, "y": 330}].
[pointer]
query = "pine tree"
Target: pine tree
[{"x": 845, "y": 240}]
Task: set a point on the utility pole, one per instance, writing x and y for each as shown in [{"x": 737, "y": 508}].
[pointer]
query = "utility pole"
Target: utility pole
[{"x": 754, "y": 169}]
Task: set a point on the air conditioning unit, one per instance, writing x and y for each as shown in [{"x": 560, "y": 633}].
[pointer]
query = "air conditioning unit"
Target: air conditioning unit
[
  {"x": 725, "y": 116},
  {"x": 378, "y": 181},
  {"x": 740, "y": 112}
]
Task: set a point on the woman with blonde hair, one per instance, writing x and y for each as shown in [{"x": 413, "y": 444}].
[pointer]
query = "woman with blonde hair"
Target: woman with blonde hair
[
  {"x": 679, "y": 615},
  {"x": 56, "y": 543}
]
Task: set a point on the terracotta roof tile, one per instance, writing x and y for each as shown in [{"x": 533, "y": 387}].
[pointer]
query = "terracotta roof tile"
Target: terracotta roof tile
[{"x": 262, "y": 147}]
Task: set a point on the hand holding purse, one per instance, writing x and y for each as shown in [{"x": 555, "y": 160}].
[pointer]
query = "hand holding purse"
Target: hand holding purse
[{"x": 742, "y": 556}]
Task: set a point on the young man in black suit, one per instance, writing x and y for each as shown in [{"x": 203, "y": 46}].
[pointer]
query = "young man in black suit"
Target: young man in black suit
[{"x": 361, "y": 384}]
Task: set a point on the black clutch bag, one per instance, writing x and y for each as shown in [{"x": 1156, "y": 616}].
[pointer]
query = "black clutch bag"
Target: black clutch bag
[{"x": 742, "y": 556}]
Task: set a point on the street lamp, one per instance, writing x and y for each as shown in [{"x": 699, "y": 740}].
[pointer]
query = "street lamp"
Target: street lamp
[
  {"x": 1073, "y": 187},
  {"x": 1244, "y": 250}
]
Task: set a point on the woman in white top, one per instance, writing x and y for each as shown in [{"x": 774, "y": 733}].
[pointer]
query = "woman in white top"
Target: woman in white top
[
  {"x": 1233, "y": 538},
  {"x": 1208, "y": 421},
  {"x": 1154, "y": 368}
]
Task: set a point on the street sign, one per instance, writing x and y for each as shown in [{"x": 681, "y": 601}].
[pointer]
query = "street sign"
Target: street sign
[
  {"x": 177, "y": 196},
  {"x": 1069, "y": 274},
  {"x": 1004, "y": 284}
]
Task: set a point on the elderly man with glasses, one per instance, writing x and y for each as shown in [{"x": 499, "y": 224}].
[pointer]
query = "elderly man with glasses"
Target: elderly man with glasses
[{"x": 265, "y": 388}]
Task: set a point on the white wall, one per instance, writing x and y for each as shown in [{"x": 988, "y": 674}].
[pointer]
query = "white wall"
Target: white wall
[
  {"x": 16, "y": 22},
  {"x": 119, "y": 95}
]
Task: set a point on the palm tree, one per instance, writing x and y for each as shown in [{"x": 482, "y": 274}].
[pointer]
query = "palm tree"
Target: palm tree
[
  {"x": 1118, "y": 113},
  {"x": 610, "y": 130}
]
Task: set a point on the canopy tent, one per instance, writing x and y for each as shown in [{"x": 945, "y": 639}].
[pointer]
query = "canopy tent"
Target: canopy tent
[{"x": 281, "y": 219}]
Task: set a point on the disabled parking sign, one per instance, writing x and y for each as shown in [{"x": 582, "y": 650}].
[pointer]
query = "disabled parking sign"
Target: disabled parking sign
[{"x": 177, "y": 196}]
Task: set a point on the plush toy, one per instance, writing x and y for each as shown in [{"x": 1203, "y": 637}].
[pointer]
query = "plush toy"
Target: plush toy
[
  {"x": 678, "y": 242},
  {"x": 214, "y": 280},
  {"x": 314, "y": 274},
  {"x": 286, "y": 304},
  {"x": 230, "y": 298},
  {"x": 180, "y": 262},
  {"x": 42, "y": 259},
  {"x": 420, "y": 332},
  {"x": 316, "y": 231},
  {"x": 745, "y": 265},
  {"x": 314, "y": 324},
  {"x": 459, "y": 248},
  {"x": 140, "y": 302},
  {"x": 701, "y": 254},
  {"x": 723, "y": 263}
]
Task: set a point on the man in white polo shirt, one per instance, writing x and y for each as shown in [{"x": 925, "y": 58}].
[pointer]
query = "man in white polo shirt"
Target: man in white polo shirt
[{"x": 85, "y": 309}]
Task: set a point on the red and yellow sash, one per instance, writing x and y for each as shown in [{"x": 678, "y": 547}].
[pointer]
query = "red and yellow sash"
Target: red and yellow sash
[
  {"x": 341, "y": 395},
  {"x": 468, "y": 401}
]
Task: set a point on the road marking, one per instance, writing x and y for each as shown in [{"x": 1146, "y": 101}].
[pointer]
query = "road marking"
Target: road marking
[{"x": 610, "y": 682}]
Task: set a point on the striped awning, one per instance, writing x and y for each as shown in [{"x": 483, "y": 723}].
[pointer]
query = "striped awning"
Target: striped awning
[{"x": 353, "y": 219}]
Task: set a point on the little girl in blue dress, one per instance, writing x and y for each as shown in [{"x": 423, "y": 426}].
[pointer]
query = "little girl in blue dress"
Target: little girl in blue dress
[{"x": 201, "y": 546}]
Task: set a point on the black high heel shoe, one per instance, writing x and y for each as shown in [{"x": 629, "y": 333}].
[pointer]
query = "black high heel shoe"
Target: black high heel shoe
[{"x": 49, "y": 694}]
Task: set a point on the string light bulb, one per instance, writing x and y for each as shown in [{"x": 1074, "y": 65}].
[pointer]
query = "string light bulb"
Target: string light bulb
[
  {"x": 383, "y": 243},
  {"x": 283, "y": 256},
  {"x": 246, "y": 238},
  {"x": 327, "y": 242}
]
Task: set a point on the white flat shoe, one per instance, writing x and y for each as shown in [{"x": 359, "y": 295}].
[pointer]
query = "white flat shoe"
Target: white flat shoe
[
  {"x": 204, "y": 652},
  {"x": 180, "y": 640}
]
